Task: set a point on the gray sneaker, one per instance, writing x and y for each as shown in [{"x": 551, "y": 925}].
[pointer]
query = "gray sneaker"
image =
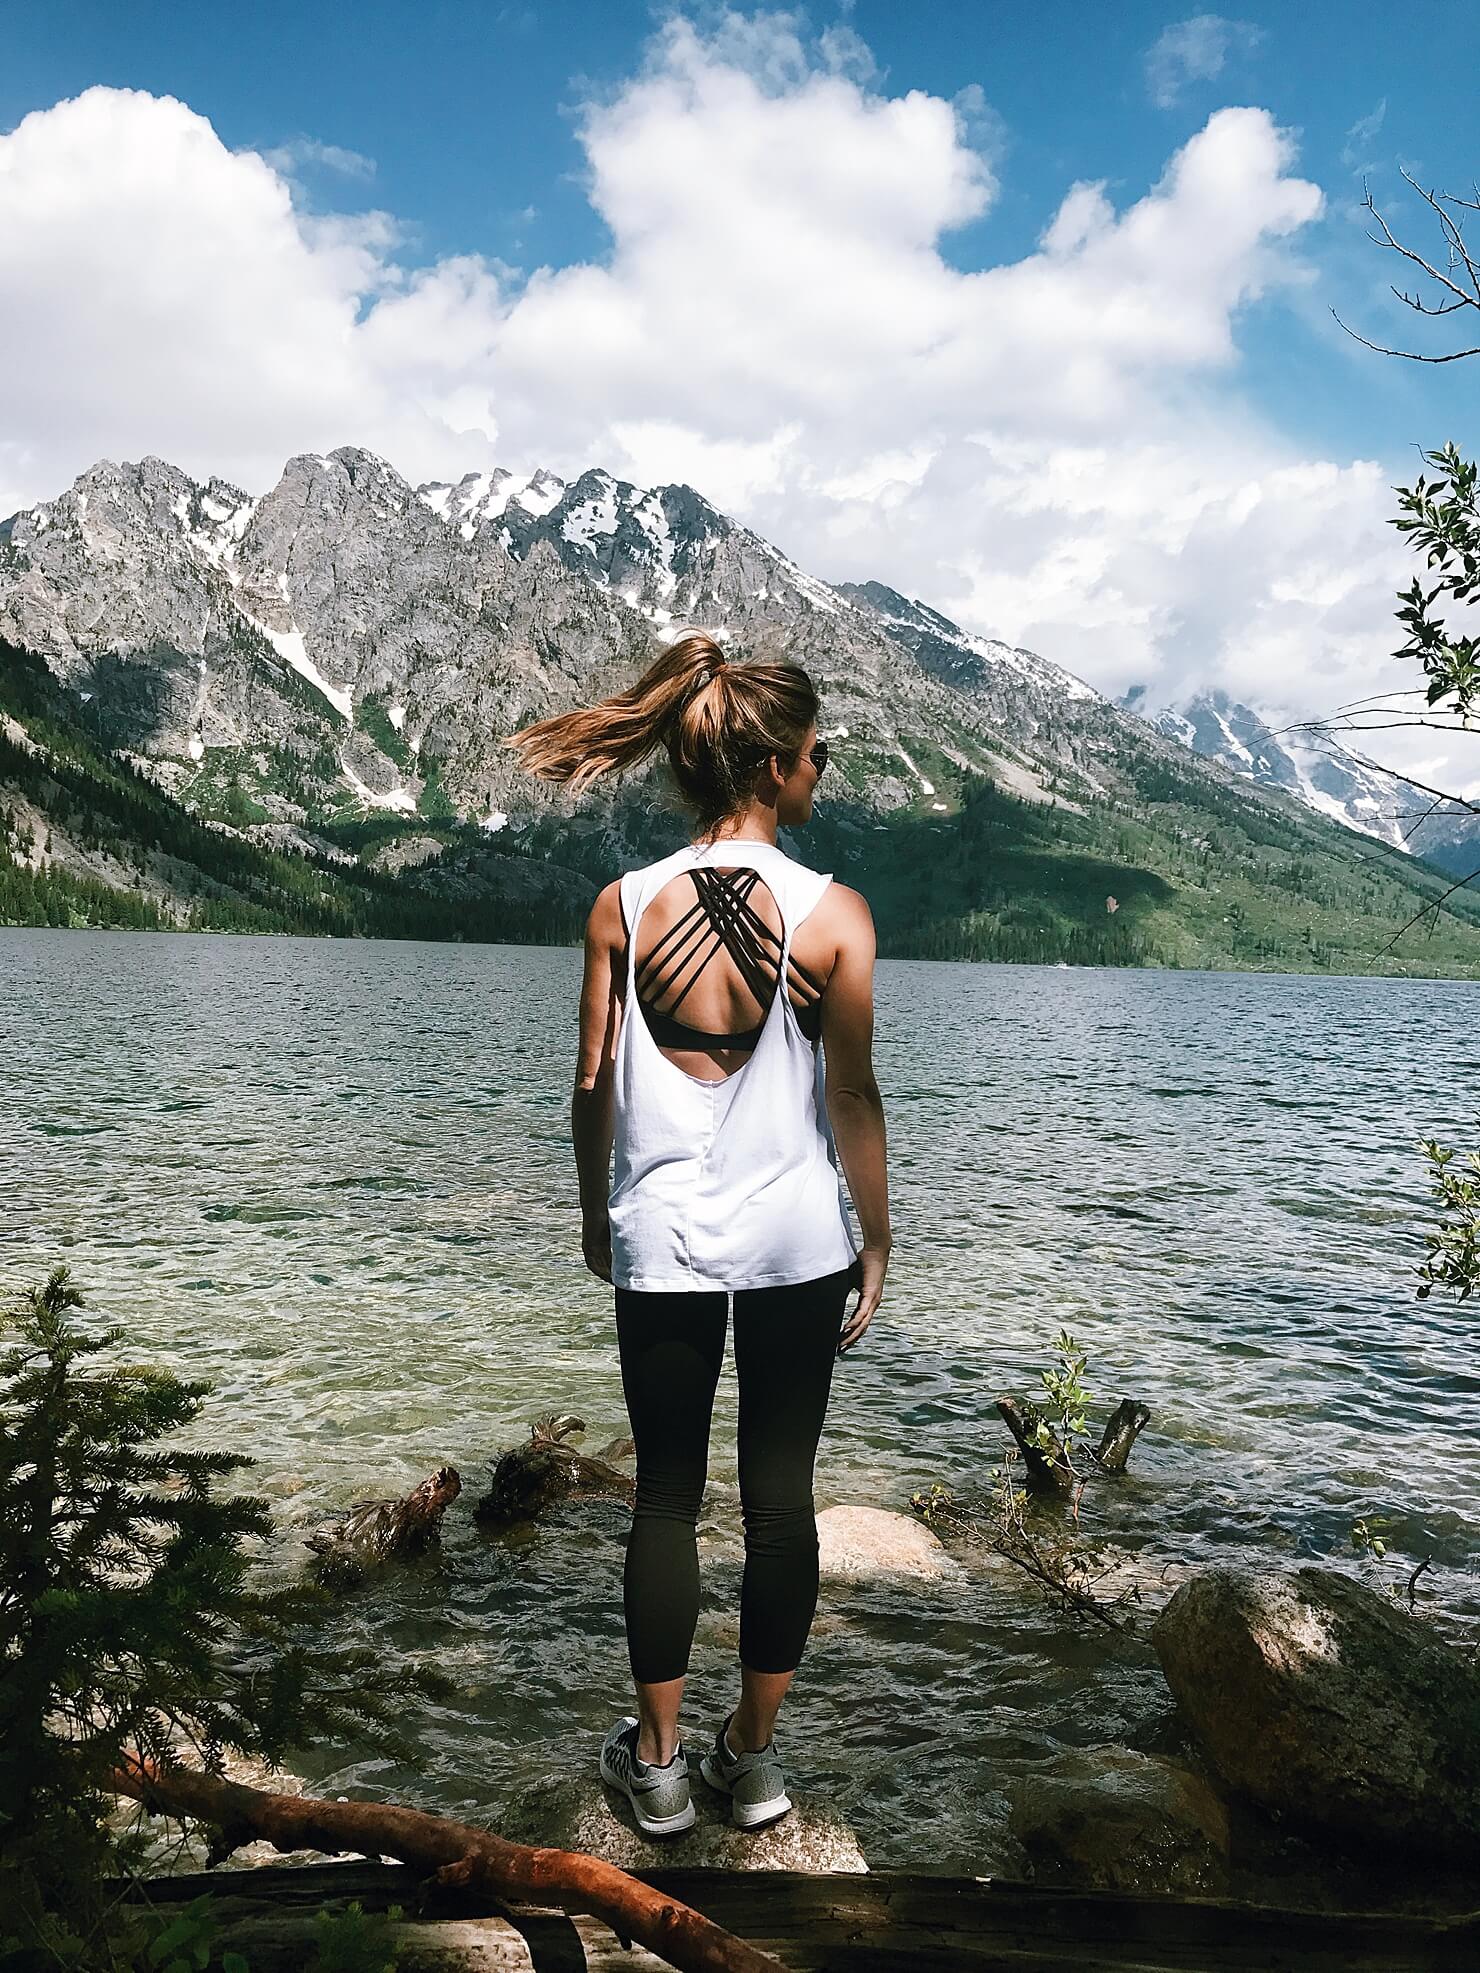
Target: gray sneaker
[
  {"x": 659, "y": 1795},
  {"x": 753, "y": 1782}
]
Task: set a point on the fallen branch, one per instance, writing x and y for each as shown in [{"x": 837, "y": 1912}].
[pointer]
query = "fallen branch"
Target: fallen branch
[
  {"x": 371, "y": 1532},
  {"x": 458, "y": 1855}
]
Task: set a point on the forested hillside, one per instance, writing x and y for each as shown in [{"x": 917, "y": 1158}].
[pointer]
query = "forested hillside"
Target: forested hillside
[{"x": 1178, "y": 874}]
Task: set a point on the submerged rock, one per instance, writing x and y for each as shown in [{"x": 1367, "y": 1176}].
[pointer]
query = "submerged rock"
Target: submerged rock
[
  {"x": 1109, "y": 1819},
  {"x": 857, "y": 1543},
  {"x": 575, "y": 1813},
  {"x": 1318, "y": 1698}
]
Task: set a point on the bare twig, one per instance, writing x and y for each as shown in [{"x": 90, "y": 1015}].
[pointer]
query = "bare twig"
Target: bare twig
[
  {"x": 1459, "y": 261},
  {"x": 1433, "y": 905},
  {"x": 1408, "y": 355}
]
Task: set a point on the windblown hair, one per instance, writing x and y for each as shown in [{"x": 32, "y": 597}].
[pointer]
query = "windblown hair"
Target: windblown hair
[{"x": 718, "y": 719}]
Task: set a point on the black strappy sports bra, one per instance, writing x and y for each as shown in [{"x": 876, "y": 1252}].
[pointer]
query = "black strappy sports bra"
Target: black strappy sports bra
[{"x": 723, "y": 911}]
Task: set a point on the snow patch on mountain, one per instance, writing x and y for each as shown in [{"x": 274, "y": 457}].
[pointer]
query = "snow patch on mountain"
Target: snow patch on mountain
[
  {"x": 400, "y": 800},
  {"x": 540, "y": 493},
  {"x": 290, "y": 647},
  {"x": 926, "y": 787}
]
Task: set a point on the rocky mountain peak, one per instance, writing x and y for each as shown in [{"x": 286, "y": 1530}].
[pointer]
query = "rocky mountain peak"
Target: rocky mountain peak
[{"x": 960, "y": 657}]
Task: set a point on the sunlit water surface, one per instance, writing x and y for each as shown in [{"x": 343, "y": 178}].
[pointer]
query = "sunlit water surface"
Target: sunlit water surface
[{"x": 335, "y": 1179}]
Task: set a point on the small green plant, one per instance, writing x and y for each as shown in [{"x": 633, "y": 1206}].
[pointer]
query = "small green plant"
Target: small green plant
[
  {"x": 1366, "y": 1541},
  {"x": 1045, "y": 1546},
  {"x": 188, "y": 1941},
  {"x": 1067, "y": 1398},
  {"x": 355, "y": 1940},
  {"x": 1370, "y": 1538}
]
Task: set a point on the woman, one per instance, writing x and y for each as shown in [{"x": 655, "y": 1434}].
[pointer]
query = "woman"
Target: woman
[{"x": 711, "y": 977}]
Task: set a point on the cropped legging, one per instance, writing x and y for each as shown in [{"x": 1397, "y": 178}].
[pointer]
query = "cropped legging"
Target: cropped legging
[{"x": 671, "y": 1347}]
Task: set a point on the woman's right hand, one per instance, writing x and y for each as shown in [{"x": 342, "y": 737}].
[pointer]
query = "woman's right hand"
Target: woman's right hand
[
  {"x": 596, "y": 1245},
  {"x": 867, "y": 1276}
]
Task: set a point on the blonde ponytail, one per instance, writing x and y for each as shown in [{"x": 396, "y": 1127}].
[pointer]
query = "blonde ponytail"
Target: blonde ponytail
[{"x": 718, "y": 720}]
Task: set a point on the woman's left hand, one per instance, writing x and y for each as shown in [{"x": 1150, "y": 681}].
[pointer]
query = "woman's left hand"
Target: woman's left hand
[{"x": 596, "y": 1245}]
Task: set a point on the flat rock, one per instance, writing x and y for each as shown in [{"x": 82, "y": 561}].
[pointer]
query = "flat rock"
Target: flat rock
[
  {"x": 859, "y": 1543},
  {"x": 571, "y": 1813},
  {"x": 1109, "y": 1819},
  {"x": 1320, "y": 1699}
]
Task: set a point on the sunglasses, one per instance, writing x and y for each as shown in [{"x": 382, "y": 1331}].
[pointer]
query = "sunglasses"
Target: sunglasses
[{"x": 819, "y": 755}]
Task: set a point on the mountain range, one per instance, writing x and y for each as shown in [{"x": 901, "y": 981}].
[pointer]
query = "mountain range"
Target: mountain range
[
  {"x": 329, "y": 669},
  {"x": 1319, "y": 770}
]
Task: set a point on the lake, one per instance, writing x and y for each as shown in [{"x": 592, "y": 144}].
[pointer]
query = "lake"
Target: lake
[{"x": 335, "y": 1179}]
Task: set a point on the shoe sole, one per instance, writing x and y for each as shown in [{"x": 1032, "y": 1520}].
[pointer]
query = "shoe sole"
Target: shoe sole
[
  {"x": 745, "y": 1815},
  {"x": 650, "y": 1825}
]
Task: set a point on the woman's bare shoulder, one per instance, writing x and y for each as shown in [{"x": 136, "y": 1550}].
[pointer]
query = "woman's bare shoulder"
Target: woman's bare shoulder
[
  {"x": 604, "y": 923},
  {"x": 839, "y": 922},
  {"x": 844, "y": 897},
  {"x": 847, "y": 910}
]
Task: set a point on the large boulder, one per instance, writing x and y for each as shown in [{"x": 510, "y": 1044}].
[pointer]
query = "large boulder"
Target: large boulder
[
  {"x": 1109, "y": 1819},
  {"x": 572, "y": 1813},
  {"x": 856, "y": 1544},
  {"x": 1319, "y": 1699}
]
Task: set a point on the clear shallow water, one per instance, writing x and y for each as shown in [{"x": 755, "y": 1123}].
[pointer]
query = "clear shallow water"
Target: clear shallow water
[{"x": 335, "y": 1179}]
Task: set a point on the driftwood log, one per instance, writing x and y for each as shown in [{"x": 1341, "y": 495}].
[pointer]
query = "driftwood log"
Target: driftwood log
[
  {"x": 888, "y": 1921},
  {"x": 1047, "y": 1467},
  {"x": 456, "y": 1854},
  {"x": 375, "y": 1531},
  {"x": 547, "y": 1469}
]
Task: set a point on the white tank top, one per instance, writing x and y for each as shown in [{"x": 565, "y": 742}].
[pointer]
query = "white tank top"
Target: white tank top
[{"x": 729, "y": 1184}]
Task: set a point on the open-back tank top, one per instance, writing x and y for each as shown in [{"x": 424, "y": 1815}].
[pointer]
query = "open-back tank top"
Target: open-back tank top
[{"x": 731, "y": 1183}]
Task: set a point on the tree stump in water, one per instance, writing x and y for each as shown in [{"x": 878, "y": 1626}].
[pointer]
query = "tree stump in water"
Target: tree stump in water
[
  {"x": 1046, "y": 1464},
  {"x": 530, "y": 1478},
  {"x": 372, "y": 1532},
  {"x": 1122, "y": 1428}
]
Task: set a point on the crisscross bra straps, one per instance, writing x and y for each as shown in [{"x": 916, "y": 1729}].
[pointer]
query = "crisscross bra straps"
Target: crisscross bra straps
[{"x": 721, "y": 913}]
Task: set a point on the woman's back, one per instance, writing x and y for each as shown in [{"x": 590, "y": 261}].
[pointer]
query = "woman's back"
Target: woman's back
[
  {"x": 707, "y": 960},
  {"x": 725, "y": 1176}
]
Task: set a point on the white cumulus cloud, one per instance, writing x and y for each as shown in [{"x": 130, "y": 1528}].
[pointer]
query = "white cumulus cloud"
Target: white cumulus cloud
[{"x": 1052, "y": 449}]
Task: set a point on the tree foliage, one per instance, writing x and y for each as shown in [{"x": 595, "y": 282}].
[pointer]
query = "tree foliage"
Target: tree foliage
[
  {"x": 133, "y": 1619},
  {"x": 1441, "y": 519}
]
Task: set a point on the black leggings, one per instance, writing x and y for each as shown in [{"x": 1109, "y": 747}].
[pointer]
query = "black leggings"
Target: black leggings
[{"x": 671, "y": 1346}]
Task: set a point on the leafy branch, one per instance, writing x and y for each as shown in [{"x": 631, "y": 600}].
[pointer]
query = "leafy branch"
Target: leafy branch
[{"x": 1453, "y": 1258}]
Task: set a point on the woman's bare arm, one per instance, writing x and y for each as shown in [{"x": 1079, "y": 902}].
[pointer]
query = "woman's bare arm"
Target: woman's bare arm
[
  {"x": 591, "y": 1111},
  {"x": 854, "y": 1106}
]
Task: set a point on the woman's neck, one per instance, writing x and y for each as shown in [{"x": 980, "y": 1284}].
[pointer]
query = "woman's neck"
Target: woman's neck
[{"x": 756, "y": 824}]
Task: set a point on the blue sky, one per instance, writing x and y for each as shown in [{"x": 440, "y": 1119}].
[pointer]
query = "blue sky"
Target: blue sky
[{"x": 471, "y": 213}]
